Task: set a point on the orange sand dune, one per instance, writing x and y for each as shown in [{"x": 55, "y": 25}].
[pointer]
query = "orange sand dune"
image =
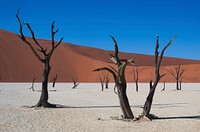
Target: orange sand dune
[{"x": 18, "y": 63}]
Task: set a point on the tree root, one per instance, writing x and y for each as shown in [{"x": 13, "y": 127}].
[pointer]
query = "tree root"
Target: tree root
[
  {"x": 47, "y": 105},
  {"x": 141, "y": 118},
  {"x": 148, "y": 117}
]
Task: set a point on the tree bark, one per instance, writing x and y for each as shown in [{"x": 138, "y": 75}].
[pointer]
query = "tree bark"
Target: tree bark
[
  {"x": 180, "y": 85},
  {"x": 120, "y": 81},
  {"x": 135, "y": 76},
  {"x": 42, "y": 55},
  {"x": 163, "y": 86},
  {"x": 54, "y": 80},
  {"x": 177, "y": 74},
  {"x": 149, "y": 100},
  {"x": 136, "y": 83},
  {"x": 102, "y": 83},
  {"x": 158, "y": 60},
  {"x": 124, "y": 103},
  {"x": 43, "y": 101},
  {"x": 177, "y": 85},
  {"x": 32, "y": 87},
  {"x": 106, "y": 81},
  {"x": 75, "y": 84}
]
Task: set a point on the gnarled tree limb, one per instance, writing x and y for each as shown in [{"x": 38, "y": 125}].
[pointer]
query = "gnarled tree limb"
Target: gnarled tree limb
[
  {"x": 158, "y": 60},
  {"x": 120, "y": 81},
  {"x": 43, "y": 57}
]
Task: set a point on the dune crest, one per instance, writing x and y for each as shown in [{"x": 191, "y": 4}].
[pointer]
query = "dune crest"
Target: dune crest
[{"x": 18, "y": 63}]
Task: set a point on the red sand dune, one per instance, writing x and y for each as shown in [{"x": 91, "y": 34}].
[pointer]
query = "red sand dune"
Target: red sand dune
[{"x": 18, "y": 63}]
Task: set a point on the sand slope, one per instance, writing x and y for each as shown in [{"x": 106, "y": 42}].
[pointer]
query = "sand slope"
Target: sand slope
[{"x": 18, "y": 63}]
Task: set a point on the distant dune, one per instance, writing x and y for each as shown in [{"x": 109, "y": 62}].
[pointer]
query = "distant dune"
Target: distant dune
[{"x": 18, "y": 63}]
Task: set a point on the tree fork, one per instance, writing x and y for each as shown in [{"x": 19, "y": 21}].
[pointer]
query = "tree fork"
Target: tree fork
[
  {"x": 120, "y": 82},
  {"x": 177, "y": 74},
  {"x": 43, "y": 56},
  {"x": 158, "y": 60}
]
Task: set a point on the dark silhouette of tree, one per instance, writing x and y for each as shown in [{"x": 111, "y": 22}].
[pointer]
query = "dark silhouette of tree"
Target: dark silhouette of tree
[
  {"x": 102, "y": 83},
  {"x": 55, "y": 77},
  {"x": 75, "y": 84},
  {"x": 180, "y": 84},
  {"x": 120, "y": 81},
  {"x": 107, "y": 80},
  {"x": 177, "y": 73},
  {"x": 163, "y": 86},
  {"x": 158, "y": 60},
  {"x": 135, "y": 77},
  {"x": 32, "y": 87},
  {"x": 43, "y": 55}
]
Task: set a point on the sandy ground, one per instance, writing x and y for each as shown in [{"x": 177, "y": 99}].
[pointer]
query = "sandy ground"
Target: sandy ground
[{"x": 91, "y": 110}]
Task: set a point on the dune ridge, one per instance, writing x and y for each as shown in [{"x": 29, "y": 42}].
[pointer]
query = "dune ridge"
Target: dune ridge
[{"x": 18, "y": 63}]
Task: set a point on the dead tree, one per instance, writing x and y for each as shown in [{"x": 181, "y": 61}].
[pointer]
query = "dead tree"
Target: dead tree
[
  {"x": 158, "y": 60},
  {"x": 75, "y": 84},
  {"x": 32, "y": 87},
  {"x": 120, "y": 81},
  {"x": 135, "y": 76},
  {"x": 107, "y": 80},
  {"x": 163, "y": 86},
  {"x": 102, "y": 83},
  {"x": 43, "y": 55},
  {"x": 55, "y": 77},
  {"x": 180, "y": 84},
  {"x": 177, "y": 74}
]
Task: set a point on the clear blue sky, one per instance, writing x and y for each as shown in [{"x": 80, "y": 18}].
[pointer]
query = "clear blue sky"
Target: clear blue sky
[{"x": 134, "y": 23}]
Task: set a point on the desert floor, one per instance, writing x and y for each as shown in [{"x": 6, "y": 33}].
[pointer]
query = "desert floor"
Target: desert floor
[{"x": 89, "y": 109}]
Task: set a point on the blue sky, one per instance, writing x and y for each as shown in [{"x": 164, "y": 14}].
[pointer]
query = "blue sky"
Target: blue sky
[{"x": 134, "y": 23}]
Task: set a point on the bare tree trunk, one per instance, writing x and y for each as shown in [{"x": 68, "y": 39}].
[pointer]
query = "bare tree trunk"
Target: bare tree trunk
[
  {"x": 149, "y": 100},
  {"x": 43, "y": 101},
  {"x": 177, "y": 74},
  {"x": 177, "y": 85},
  {"x": 106, "y": 81},
  {"x": 135, "y": 75},
  {"x": 120, "y": 81},
  {"x": 124, "y": 103},
  {"x": 102, "y": 83},
  {"x": 136, "y": 83},
  {"x": 180, "y": 84},
  {"x": 106, "y": 85},
  {"x": 54, "y": 80},
  {"x": 75, "y": 84},
  {"x": 43, "y": 56},
  {"x": 163, "y": 86},
  {"x": 102, "y": 87},
  {"x": 158, "y": 60},
  {"x": 32, "y": 87}
]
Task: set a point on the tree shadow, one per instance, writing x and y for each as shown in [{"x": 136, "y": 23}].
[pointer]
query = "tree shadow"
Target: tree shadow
[
  {"x": 107, "y": 106},
  {"x": 74, "y": 107},
  {"x": 178, "y": 117},
  {"x": 117, "y": 106},
  {"x": 99, "y": 106},
  {"x": 90, "y": 107},
  {"x": 169, "y": 105}
]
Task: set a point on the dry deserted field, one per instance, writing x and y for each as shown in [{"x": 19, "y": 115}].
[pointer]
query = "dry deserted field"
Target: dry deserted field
[{"x": 89, "y": 109}]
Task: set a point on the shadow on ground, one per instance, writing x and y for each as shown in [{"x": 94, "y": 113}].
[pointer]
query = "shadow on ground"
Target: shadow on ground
[
  {"x": 178, "y": 117},
  {"x": 112, "y": 106}
]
